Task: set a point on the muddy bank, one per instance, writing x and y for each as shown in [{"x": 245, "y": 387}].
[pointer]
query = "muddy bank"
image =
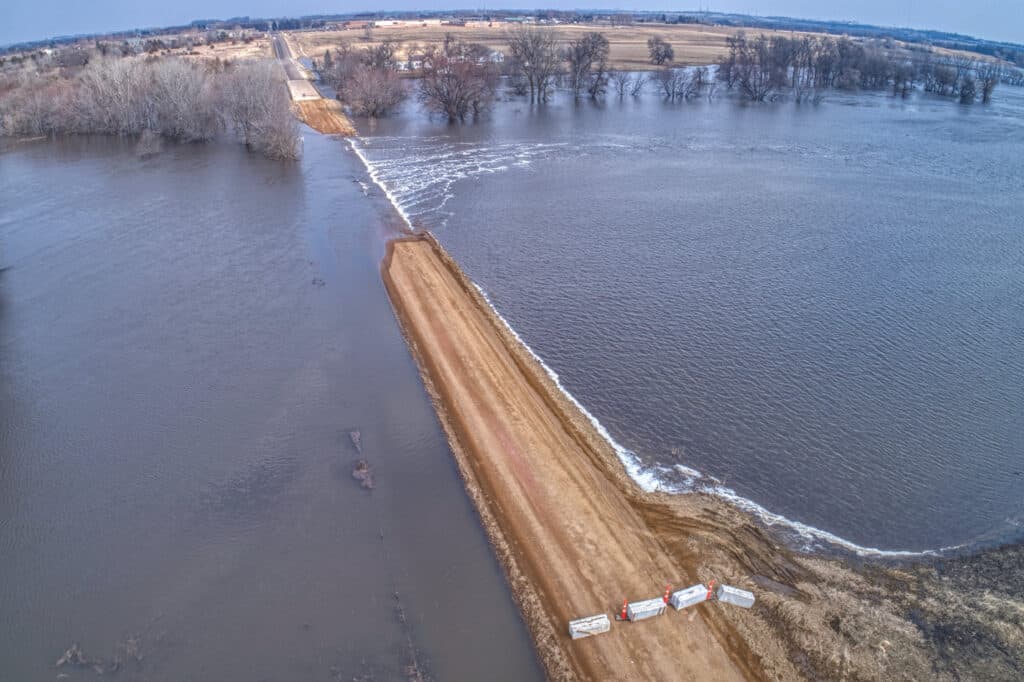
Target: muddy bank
[{"x": 576, "y": 535}]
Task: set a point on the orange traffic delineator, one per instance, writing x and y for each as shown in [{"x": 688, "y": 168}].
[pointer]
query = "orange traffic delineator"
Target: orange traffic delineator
[
  {"x": 625, "y": 602},
  {"x": 668, "y": 589},
  {"x": 711, "y": 589}
]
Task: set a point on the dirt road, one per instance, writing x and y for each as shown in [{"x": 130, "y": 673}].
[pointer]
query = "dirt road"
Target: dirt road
[
  {"x": 320, "y": 114},
  {"x": 325, "y": 116},
  {"x": 545, "y": 484}
]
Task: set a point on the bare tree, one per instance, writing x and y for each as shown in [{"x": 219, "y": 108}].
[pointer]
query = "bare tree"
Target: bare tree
[
  {"x": 458, "y": 80},
  {"x": 697, "y": 82},
  {"x": 637, "y": 87},
  {"x": 180, "y": 103},
  {"x": 374, "y": 92},
  {"x": 903, "y": 79},
  {"x": 382, "y": 56},
  {"x": 110, "y": 98},
  {"x": 670, "y": 81},
  {"x": 256, "y": 104},
  {"x": 587, "y": 59},
  {"x": 963, "y": 65},
  {"x": 968, "y": 90},
  {"x": 535, "y": 48},
  {"x": 989, "y": 75},
  {"x": 366, "y": 78},
  {"x": 660, "y": 51},
  {"x": 169, "y": 98},
  {"x": 749, "y": 66},
  {"x": 621, "y": 81}
]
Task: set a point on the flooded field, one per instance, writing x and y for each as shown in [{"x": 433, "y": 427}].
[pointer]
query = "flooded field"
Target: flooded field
[
  {"x": 196, "y": 353},
  {"x": 812, "y": 311}
]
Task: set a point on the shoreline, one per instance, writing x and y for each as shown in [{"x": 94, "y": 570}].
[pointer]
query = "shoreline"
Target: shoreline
[{"x": 816, "y": 616}]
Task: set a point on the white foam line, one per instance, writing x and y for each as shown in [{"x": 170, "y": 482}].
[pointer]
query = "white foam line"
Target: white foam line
[
  {"x": 377, "y": 181},
  {"x": 649, "y": 481}
]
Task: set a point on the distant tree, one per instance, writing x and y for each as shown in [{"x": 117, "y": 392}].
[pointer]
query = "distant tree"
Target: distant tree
[
  {"x": 989, "y": 75},
  {"x": 670, "y": 81},
  {"x": 748, "y": 65},
  {"x": 903, "y": 79},
  {"x": 382, "y": 56},
  {"x": 535, "y": 49},
  {"x": 659, "y": 50},
  {"x": 621, "y": 81},
  {"x": 587, "y": 59},
  {"x": 637, "y": 86},
  {"x": 968, "y": 90}
]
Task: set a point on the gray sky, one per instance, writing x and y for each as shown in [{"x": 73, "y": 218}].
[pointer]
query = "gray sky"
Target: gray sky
[{"x": 22, "y": 20}]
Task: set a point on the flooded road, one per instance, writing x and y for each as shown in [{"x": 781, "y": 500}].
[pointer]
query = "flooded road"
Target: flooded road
[{"x": 186, "y": 344}]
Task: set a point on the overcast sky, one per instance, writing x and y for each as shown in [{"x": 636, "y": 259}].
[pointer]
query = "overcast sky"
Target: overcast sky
[{"x": 22, "y": 20}]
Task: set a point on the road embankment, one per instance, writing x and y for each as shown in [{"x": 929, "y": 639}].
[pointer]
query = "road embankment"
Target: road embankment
[{"x": 555, "y": 500}]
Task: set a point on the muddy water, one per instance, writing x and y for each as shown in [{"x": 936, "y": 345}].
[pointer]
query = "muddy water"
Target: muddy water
[
  {"x": 185, "y": 343},
  {"x": 814, "y": 311}
]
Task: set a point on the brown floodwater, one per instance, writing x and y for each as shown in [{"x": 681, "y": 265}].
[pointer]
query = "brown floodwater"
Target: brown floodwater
[{"x": 186, "y": 342}]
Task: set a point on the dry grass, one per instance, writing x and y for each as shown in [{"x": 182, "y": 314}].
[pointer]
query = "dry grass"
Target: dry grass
[
  {"x": 257, "y": 49},
  {"x": 693, "y": 44},
  {"x": 821, "y": 619}
]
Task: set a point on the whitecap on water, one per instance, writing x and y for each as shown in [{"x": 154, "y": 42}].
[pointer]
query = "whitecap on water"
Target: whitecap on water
[{"x": 418, "y": 174}]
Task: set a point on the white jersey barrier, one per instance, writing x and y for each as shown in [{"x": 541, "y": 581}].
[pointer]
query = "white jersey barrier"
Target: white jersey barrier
[
  {"x": 649, "y": 608},
  {"x": 735, "y": 596},
  {"x": 589, "y": 626}
]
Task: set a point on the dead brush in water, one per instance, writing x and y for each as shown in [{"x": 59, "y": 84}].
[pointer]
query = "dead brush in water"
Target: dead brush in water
[
  {"x": 879, "y": 622},
  {"x": 816, "y": 618}
]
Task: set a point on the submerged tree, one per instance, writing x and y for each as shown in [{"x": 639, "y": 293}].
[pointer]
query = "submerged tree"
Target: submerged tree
[
  {"x": 257, "y": 105},
  {"x": 620, "y": 80},
  {"x": 459, "y": 79},
  {"x": 587, "y": 60},
  {"x": 367, "y": 78},
  {"x": 535, "y": 51},
  {"x": 989, "y": 75}
]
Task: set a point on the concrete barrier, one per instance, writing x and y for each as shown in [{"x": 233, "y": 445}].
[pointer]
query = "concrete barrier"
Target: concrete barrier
[
  {"x": 589, "y": 626},
  {"x": 648, "y": 608},
  {"x": 735, "y": 596},
  {"x": 688, "y": 597}
]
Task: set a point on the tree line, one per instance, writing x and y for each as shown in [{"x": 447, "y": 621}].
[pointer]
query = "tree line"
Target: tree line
[
  {"x": 765, "y": 68},
  {"x": 168, "y": 98},
  {"x": 458, "y": 79}
]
